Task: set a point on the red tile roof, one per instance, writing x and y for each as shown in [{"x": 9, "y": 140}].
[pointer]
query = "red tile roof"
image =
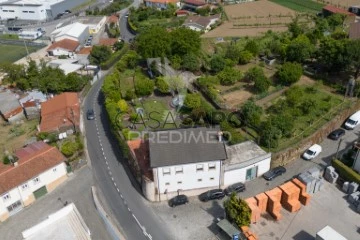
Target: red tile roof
[
  {"x": 29, "y": 104},
  {"x": 33, "y": 160},
  {"x": 13, "y": 112},
  {"x": 163, "y": 1},
  {"x": 67, "y": 44},
  {"x": 334, "y": 9},
  {"x": 107, "y": 41},
  {"x": 195, "y": 2},
  {"x": 181, "y": 12},
  {"x": 113, "y": 19},
  {"x": 56, "y": 113},
  {"x": 85, "y": 51},
  {"x": 140, "y": 151}
]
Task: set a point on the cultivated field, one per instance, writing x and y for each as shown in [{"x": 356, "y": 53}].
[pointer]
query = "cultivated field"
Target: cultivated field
[
  {"x": 340, "y": 3},
  {"x": 253, "y": 19},
  {"x": 301, "y": 6},
  {"x": 12, "y": 53}
]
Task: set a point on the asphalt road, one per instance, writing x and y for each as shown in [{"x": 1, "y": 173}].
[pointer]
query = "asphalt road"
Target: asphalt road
[
  {"x": 121, "y": 192},
  {"x": 126, "y": 35}
]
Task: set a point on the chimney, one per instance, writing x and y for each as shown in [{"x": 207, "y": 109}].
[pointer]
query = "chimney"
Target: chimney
[{"x": 220, "y": 135}]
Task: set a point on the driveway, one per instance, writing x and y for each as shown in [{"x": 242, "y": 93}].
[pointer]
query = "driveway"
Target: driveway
[{"x": 76, "y": 189}]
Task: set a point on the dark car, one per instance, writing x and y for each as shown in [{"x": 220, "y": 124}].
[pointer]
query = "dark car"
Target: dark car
[
  {"x": 236, "y": 187},
  {"x": 211, "y": 195},
  {"x": 336, "y": 134},
  {"x": 273, "y": 173},
  {"x": 90, "y": 115},
  {"x": 178, "y": 200},
  {"x": 67, "y": 11}
]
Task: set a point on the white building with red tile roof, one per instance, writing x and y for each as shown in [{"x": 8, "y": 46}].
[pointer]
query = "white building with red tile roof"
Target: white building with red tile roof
[
  {"x": 39, "y": 169},
  {"x": 63, "y": 47}
]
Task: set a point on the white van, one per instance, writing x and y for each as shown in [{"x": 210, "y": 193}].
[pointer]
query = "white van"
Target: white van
[{"x": 353, "y": 121}]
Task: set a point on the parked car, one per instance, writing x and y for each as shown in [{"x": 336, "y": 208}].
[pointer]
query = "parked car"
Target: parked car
[
  {"x": 90, "y": 115},
  {"x": 91, "y": 37},
  {"x": 336, "y": 134},
  {"x": 178, "y": 200},
  {"x": 352, "y": 121},
  {"x": 236, "y": 187},
  {"x": 273, "y": 173},
  {"x": 211, "y": 195},
  {"x": 312, "y": 152},
  {"x": 67, "y": 11}
]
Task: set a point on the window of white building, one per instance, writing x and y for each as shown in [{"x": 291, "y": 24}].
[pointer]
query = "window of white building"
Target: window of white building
[
  {"x": 167, "y": 184},
  {"x": 179, "y": 170},
  {"x": 166, "y": 171},
  {"x": 36, "y": 180},
  {"x": 199, "y": 180},
  {"x": 212, "y": 166},
  {"x": 6, "y": 196},
  {"x": 200, "y": 167},
  {"x": 24, "y": 186},
  {"x": 54, "y": 169},
  {"x": 212, "y": 178},
  {"x": 179, "y": 182}
]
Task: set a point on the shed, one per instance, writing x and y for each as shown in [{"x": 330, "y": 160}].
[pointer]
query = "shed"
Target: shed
[
  {"x": 230, "y": 229},
  {"x": 328, "y": 233}
]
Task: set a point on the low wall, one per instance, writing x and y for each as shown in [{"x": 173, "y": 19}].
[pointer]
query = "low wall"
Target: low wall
[{"x": 290, "y": 154}]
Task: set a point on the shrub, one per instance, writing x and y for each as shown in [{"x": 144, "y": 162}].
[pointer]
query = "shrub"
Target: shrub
[
  {"x": 289, "y": 73},
  {"x": 68, "y": 148},
  {"x": 162, "y": 85},
  {"x": 123, "y": 106},
  {"x": 237, "y": 211},
  {"x": 192, "y": 100},
  {"x": 245, "y": 57},
  {"x": 257, "y": 75},
  {"x": 6, "y": 160},
  {"x": 144, "y": 87},
  {"x": 345, "y": 171},
  {"x": 229, "y": 76}
]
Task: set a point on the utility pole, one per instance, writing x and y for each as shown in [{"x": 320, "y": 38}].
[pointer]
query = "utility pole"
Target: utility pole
[{"x": 338, "y": 148}]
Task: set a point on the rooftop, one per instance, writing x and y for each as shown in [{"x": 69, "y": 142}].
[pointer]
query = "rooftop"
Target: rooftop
[
  {"x": 201, "y": 20},
  {"x": 67, "y": 44},
  {"x": 140, "y": 151},
  {"x": 33, "y": 159},
  {"x": 9, "y": 102},
  {"x": 334, "y": 9},
  {"x": 108, "y": 41},
  {"x": 163, "y": 1},
  {"x": 90, "y": 20},
  {"x": 30, "y": 2},
  {"x": 33, "y": 96},
  {"x": 113, "y": 19},
  {"x": 74, "y": 30},
  {"x": 70, "y": 67},
  {"x": 66, "y": 223},
  {"x": 183, "y": 146},
  {"x": 195, "y": 2}
]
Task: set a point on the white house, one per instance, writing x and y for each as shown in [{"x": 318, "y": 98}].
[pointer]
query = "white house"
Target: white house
[
  {"x": 39, "y": 169},
  {"x": 185, "y": 160},
  {"x": 201, "y": 23},
  {"x": 75, "y": 31},
  {"x": 245, "y": 162},
  {"x": 64, "y": 47},
  {"x": 161, "y": 4},
  {"x": 94, "y": 23}
]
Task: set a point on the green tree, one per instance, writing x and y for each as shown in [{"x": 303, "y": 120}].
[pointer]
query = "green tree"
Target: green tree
[
  {"x": 176, "y": 62},
  {"x": 294, "y": 95},
  {"x": 299, "y": 49},
  {"x": 289, "y": 73},
  {"x": 294, "y": 28},
  {"x": 233, "y": 53},
  {"x": 192, "y": 100},
  {"x": 191, "y": 62},
  {"x": 354, "y": 51},
  {"x": 257, "y": 75},
  {"x": 336, "y": 20},
  {"x": 185, "y": 41},
  {"x": 123, "y": 106},
  {"x": 217, "y": 63},
  {"x": 68, "y": 148},
  {"x": 175, "y": 83},
  {"x": 99, "y": 54},
  {"x": 334, "y": 54},
  {"x": 154, "y": 42},
  {"x": 162, "y": 85},
  {"x": 238, "y": 211},
  {"x": 144, "y": 86},
  {"x": 229, "y": 76},
  {"x": 307, "y": 106},
  {"x": 130, "y": 94},
  {"x": 245, "y": 57},
  {"x": 270, "y": 135},
  {"x": 251, "y": 113},
  {"x": 253, "y": 47}
]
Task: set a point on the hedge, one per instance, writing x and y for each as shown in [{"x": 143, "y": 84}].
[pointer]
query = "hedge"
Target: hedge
[
  {"x": 114, "y": 58},
  {"x": 346, "y": 172}
]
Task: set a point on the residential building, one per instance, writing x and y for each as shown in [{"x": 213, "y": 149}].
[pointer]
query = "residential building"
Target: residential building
[
  {"x": 113, "y": 19},
  {"x": 10, "y": 108},
  {"x": 329, "y": 10},
  {"x": 39, "y": 169},
  {"x": 193, "y": 4},
  {"x": 201, "y": 23},
  {"x": 67, "y": 223},
  {"x": 63, "y": 47},
  {"x": 245, "y": 162},
  {"x": 31, "y": 103},
  {"x": 182, "y": 13},
  {"x": 161, "y": 4},
  {"x": 95, "y": 23},
  {"x": 67, "y": 65},
  {"x": 76, "y": 31},
  {"x": 60, "y": 113},
  {"x": 35, "y": 10}
]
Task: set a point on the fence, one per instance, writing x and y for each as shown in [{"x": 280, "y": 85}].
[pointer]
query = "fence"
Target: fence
[{"x": 21, "y": 42}]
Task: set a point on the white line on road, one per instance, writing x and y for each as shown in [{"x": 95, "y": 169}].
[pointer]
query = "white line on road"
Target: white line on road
[
  {"x": 105, "y": 158},
  {"x": 112, "y": 179},
  {"x": 142, "y": 227},
  {"x": 129, "y": 210},
  {"x": 121, "y": 196},
  {"x": 115, "y": 184},
  {"x": 118, "y": 190},
  {"x": 106, "y": 162},
  {"x": 108, "y": 167},
  {"x": 102, "y": 149}
]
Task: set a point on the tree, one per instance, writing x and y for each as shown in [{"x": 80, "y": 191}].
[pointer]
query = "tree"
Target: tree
[
  {"x": 192, "y": 101},
  {"x": 334, "y": 54},
  {"x": 270, "y": 135},
  {"x": 237, "y": 211},
  {"x": 229, "y": 76},
  {"x": 252, "y": 47},
  {"x": 354, "y": 50},
  {"x": 257, "y": 75},
  {"x": 293, "y": 95},
  {"x": 233, "y": 53},
  {"x": 130, "y": 94},
  {"x": 245, "y": 57},
  {"x": 336, "y": 20},
  {"x": 175, "y": 83},
  {"x": 251, "y": 113},
  {"x": 154, "y": 42},
  {"x": 185, "y": 41},
  {"x": 123, "y": 106},
  {"x": 144, "y": 86},
  {"x": 162, "y": 85},
  {"x": 299, "y": 49},
  {"x": 294, "y": 28},
  {"x": 289, "y": 73},
  {"x": 217, "y": 63},
  {"x": 99, "y": 54},
  {"x": 176, "y": 62},
  {"x": 307, "y": 106},
  {"x": 191, "y": 62}
]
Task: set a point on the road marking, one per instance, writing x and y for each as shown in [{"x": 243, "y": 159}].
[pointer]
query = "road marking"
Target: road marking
[
  {"x": 106, "y": 162},
  {"x": 102, "y": 149},
  {"x": 108, "y": 167},
  {"x": 118, "y": 190},
  {"x": 129, "y": 210},
  {"x": 101, "y": 145},
  {"x": 115, "y": 184},
  {"x": 121, "y": 196},
  {"x": 142, "y": 227},
  {"x": 105, "y": 159},
  {"x": 112, "y": 179}
]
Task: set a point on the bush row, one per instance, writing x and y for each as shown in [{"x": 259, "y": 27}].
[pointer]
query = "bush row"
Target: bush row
[
  {"x": 346, "y": 172},
  {"x": 114, "y": 58}
]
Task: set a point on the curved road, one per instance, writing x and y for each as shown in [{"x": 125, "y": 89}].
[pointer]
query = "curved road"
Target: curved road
[{"x": 121, "y": 192}]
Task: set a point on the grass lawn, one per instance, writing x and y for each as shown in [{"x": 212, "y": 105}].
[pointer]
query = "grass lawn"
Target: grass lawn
[
  {"x": 9, "y": 36},
  {"x": 12, "y": 53},
  {"x": 301, "y": 5}
]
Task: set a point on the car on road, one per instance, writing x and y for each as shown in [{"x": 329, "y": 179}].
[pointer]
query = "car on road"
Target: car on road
[
  {"x": 211, "y": 195},
  {"x": 312, "y": 152},
  {"x": 336, "y": 134},
  {"x": 236, "y": 187},
  {"x": 178, "y": 200},
  {"x": 352, "y": 121},
  {"x": 67, "y": 11},
  {"x": 273, "y": 173},
  {"x": 90, "y": 115}
]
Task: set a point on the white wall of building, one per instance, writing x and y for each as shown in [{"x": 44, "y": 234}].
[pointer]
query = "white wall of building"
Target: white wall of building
[
  {"x": 172, "y": 179},
  {"x": 24, "y": 190},
  {"x": 59, "y": 52},
  {"x": 239, "y": 175},
  {"x": 37, "y": 13}
]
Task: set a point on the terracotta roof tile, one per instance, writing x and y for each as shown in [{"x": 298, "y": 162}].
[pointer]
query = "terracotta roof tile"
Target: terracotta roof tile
[
  {"x": 33, "y": 160},
  {"x": 140, "y": 150},
  {"x": 57, "y": 112},
  {"x": 85, "y": 51},
  {"x": 67, "y": 44},
  {"x": 107, "y": 41},
  {"x": 113, "y": 19},
  {"x": 195, "y": 2},
  {"x": 163, "y": 1},
  {"x": 334, "y": 9}
]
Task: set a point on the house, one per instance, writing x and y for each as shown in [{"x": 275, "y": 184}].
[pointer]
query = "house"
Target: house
[
  {"x": 182, "y": 13},
  {"x": 60, "y": 113},
  {"x": 245, "y": 162},
  {"x": 76, "y": 31},
  {"x": 10, "y": 108},
  {"x": 329, "y": 10},
  {"x": 39, "y": 169},
  {"x": 156, "y": 67},
  {"x": 31, "y": 103},
  {"x": 201, "y": 23},
  {"x": 186, "y": 160},
  {"x": 65, "y": 47},
  {"x": 354, "y": 31},
  {"x": 161, "y": 4},
  {"x": 193, "y": 4},
  {"x": 67, "y": 223},
  {"x": 67, "y": 65},
  {"x": 113, "y": 19},
  {"x": 95, "y": 23}
]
